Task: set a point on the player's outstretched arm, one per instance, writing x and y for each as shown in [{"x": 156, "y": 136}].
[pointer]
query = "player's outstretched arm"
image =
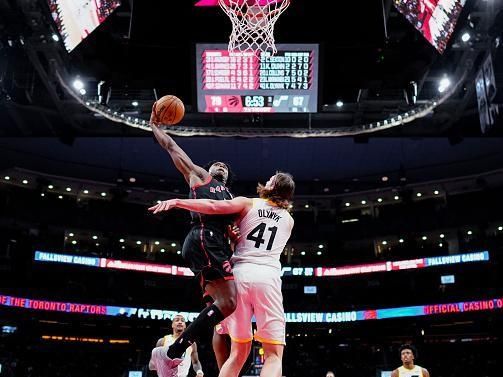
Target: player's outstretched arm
[
  {"x": 191, "y": 172},
  {"x": 206, "y": 206},
  {"x": 196, "y": 364}
]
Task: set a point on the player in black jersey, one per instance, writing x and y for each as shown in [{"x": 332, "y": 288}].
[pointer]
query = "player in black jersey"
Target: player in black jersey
[{"x": 206, "y": 248}]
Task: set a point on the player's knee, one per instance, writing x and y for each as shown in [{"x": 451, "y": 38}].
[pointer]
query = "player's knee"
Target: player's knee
[{"x": 227, "y": 306}]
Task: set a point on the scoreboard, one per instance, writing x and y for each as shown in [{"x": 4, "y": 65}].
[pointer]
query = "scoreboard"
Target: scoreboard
[{"x": 257, "y": 82}]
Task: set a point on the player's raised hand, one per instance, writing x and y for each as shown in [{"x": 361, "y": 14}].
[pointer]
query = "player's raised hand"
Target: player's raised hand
[
  {"x": 165, "y": 205},
  {"x": 153, "y": 116}
]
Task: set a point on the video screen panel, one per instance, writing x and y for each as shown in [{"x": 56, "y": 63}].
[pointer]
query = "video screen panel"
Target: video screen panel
[
  {"x": 257, "y": 82},
  {"x": 435, "y": 19},
  {"x": 76, "y": 19}
]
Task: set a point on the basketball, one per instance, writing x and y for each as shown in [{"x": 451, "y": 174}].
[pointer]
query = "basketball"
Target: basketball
[{"x": 168, "y": 110}]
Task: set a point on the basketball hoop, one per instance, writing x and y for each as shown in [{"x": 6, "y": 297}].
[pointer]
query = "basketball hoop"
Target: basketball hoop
[{"x": 253, "y": 23}]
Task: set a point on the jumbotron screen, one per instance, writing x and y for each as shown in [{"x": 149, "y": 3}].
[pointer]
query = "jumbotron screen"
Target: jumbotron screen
[
  {"x": 435, "y": 19},
  {"x": 257, "y": 82},
  {"x": 76, "y": 19}
]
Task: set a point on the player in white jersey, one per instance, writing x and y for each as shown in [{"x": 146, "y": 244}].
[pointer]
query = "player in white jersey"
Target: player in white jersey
[
  {"x": 191, "y": 356},
  {"x": 265, "y": 226},
  {"x": 408, "y": 353}
]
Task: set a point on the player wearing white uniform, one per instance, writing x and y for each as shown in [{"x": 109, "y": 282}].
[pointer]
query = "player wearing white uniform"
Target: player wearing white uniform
[
  {"x": 190, "y": 357},
  {"x": 265, "y": 226},
  {"x": 408, "y": 353}
]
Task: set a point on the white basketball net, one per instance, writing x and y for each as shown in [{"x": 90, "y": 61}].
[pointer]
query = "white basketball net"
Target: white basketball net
[{"x": 253, "y": 23}]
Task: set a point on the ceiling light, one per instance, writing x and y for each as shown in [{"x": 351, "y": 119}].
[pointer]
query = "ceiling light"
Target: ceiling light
[
  {"x": 436, "y": 192},
  {"x": 121, "y": 240},
  {"x": 163, "y": 250},
  {"x": 347, "y": 204},
  {"x": 7, "y": 178},
  {"x": 444, "y": 84},
  {"x": 469, "y": 232},
  {"x": 103, "y": 194},
  {"x": 95, "y": 237},
  {"x": 134, "y": 103},
  {"x": 396, "y": 197},
  {"x": 178, "y": 252},
  {"x": 339, "y": 104},
  {"x": 60, "y": 197},
  {"x": 86, "y": 192},
  {"x": 424, "y": 238},
  {"x": 50, "y": 187},
  {"x": 319, "y": 253},
  {"x": 173, "y": 244},
  {"x": 132, "y": 179},
  {"x": 419, "y": 194},
  {"x": 385, "y": 242},
  {"x": 306, "y": 206},
  {"x": 78, "y": 84},
  {"x": 379, "y": 200},
  {"x": 157, "y": 242},
  {"x": 465, "y": 37},
  {"x": 74, "y": 242},
  {"x": 384, "y": 179},
  {"x": 400, "y": 240},
  {"x": 25, "y": 182},
  {"x": 138, "y": 242},
  {"x": 68, "y": 189},
  {"x": 364, "y": 202}
]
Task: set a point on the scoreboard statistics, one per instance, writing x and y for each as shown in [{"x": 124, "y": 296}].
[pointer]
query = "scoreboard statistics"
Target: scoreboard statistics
[{"x": 257, "y": 82}]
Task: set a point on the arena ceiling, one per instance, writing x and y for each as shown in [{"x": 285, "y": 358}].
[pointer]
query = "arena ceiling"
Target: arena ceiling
[{"x": 147, "y": 45}]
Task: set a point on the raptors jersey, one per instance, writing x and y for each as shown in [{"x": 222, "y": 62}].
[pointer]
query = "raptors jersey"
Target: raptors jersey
[
  {"x": 184, "y": 366},
  {"x": 417, "y": 371},
  {"x": 265, "y": 230},
  {"x": 215, "y": 190}
]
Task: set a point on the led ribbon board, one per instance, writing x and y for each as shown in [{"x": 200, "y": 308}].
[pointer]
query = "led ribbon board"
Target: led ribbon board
[
  {"x": 295, "y": 317},
  {"x": 482, "y": 256}
]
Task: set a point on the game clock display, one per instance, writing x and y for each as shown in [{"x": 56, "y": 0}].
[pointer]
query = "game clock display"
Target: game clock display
[{"x": 257, "y": 82}]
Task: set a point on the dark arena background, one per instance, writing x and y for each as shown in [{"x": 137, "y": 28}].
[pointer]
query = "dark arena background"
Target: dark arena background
[{"x": 387, "y": 113}]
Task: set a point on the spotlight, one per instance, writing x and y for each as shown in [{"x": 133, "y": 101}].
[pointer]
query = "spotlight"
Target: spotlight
[
  {"x": 163, "y": 250},
  {"x": 78, "y": 84},
  {"x": 50, "y": 187},
  {"x": 444, "y": 84},
  {"x": 500, "y": 228},
  {"x": 60, "y": 197},
  {"x": 68, "y": 189},
  {"x": 82, "y": 92},
  {"x": 384, "y": 179},
  {"x": 442, "y": 235},
  {"x": 302, "y": 253},
  {"x": 74, "y": 242},
  {"x": 121, "y": 240},
  {"x": 469, "y": 232},
  {"x": 138, "y": 242},
  {"x": 173, "y": 244},
  {"x": 71, "y": 235},
  {"x": 178, "y": 252},
  {"x": 347, "y": 204},
  {"x": 385, "y": 242},
  {"x": 424, "y": 238},
  {"x": 320, "y": 246},
  {"x": 396, "y": 197},
  {"x": 95, "y": 237},
  {"x": 318, "y": 253},
  {"x": 103, "y": 194},
  {"x": 132, "y": 179},
  {"x": 364, "y": 202},
  {"x": 436, "y": 192},
  {"x": 465, "y": 37},
  {"x": 419, "y": 194},
  {"x": 157, "y": 242},
  {"x": 339, "y": 103},
  {"x": 86, "y": 192},
  {"x": 400, "y": 240},
  {"x": 42, "y": 194},
  {"x": 440, "y": 244},
  {"x": 379, "y": 200},
  {"x": 25, "y": 182},
  {"x": 134, "y": 103},
  {"x": 306, "y": 206},
  {"x": 7, "y": 178}
]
